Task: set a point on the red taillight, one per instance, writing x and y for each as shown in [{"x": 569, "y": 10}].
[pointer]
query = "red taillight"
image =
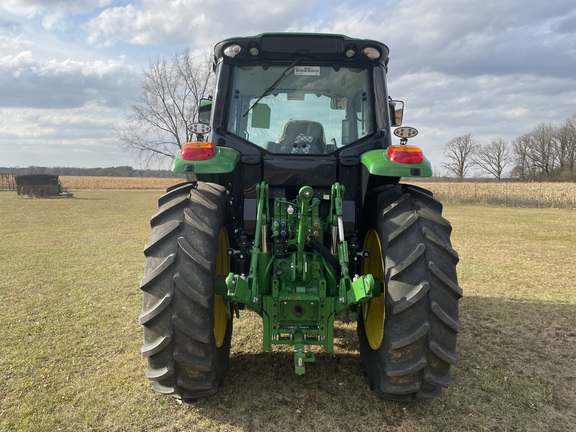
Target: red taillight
[
  {"x": 196, "y": 151},
  {"x": 405, "y": 154}
]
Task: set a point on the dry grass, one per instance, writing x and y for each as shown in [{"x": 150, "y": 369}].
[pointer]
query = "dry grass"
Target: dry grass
[
  {"x": 87, "y": 182},
  {"x": 69, "y": 358},
  {"x": 556, "y": 195}
]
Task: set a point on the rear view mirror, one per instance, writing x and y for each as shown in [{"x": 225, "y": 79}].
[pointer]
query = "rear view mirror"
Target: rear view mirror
[
  {"x": 204, "y": 111},
  {"x": 396, "y": 112},
  {"x": 338, "y": 102}
]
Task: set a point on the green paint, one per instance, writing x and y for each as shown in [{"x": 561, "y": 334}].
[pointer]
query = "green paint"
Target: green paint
[
  {"x": 298, "y": 297},
  {"x": 223, "y": 162},
  {"x": 377, "y": 163}
]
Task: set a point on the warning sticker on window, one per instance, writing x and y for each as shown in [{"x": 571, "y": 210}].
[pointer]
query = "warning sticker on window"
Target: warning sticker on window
[{"x": 307, "y": 70}]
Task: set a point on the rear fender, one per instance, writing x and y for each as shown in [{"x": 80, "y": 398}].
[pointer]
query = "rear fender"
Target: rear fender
[
  {"x": 377, "y": 163},
  {"x": 224, "y": 161}
]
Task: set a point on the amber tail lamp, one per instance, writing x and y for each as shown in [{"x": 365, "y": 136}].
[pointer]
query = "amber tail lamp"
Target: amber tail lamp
[
  {"x": 197, "y": 151},
  {"x": 405, "y": 154}
]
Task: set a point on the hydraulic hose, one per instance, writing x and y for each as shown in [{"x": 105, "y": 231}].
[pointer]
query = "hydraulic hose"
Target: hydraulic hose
[{"x": 323, "y": 250}]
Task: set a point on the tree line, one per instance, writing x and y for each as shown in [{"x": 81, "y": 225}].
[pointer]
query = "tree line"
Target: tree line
[
  {"x": 119, "y": 171},
  {"x": 547, "y": 153}
]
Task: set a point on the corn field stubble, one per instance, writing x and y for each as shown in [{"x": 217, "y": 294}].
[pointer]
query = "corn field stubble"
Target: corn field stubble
[
  {"x": 69, "y": 358},
  {"x": 96, "y": 182},
  {"x": 513, "y": 194}
]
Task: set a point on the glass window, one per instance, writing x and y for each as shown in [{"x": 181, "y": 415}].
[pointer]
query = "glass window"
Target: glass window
[{"x": 301, "y": 109}]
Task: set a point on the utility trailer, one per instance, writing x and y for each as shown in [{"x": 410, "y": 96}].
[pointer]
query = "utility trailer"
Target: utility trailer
[{"x": 38, "y": 185}]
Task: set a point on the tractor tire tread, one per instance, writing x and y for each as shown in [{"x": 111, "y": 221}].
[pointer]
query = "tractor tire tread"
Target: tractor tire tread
[
  {"x": 421, "y": 299},
  {"x": 178, "y": 292}
]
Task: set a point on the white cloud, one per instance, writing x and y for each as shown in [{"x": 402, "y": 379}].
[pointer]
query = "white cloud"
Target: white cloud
[
  {"x": 195, "y": 22},
  {"x": 30, "y": 8},
  {"x": 466, "y": 37},
  {"x": 54, "y": 21},
  {"x": 82, "y": 137},
  {"x": 16, "y": 62},
  {"x": 11, "y": 40},
  {"x": 27, "y": 82}
]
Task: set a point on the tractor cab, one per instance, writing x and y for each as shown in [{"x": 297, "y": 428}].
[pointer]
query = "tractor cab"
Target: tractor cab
[
  {"x": 302, "y": 94},
  {"x": 293, "y": 109}
]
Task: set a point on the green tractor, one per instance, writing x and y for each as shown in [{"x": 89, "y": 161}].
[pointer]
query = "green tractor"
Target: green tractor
[{"x": 294, "y": 210}]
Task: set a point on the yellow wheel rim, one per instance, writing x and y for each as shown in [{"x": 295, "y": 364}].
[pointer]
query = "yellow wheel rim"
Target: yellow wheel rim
[
  {"x": 220, "y": 308},
  {"x": 376, "y": 313}
]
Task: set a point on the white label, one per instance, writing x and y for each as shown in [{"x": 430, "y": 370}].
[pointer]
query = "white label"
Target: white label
[{"x": 307, "y": 70}]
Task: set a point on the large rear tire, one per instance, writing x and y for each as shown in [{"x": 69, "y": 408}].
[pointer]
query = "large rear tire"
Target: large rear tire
[
  {"x": 408, "y": 334},
  {"x": 187, "y": 327}
]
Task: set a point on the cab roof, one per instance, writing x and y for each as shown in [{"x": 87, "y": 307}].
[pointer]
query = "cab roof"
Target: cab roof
[{"x": 285, "y": 46}]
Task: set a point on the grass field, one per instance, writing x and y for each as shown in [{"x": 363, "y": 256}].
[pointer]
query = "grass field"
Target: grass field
[{"x": 69, "y": 357}]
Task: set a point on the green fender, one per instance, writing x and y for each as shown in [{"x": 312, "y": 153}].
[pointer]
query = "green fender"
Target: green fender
[
  {"x": 224, "y": 161},
  {"x": 377, "y": 163}
]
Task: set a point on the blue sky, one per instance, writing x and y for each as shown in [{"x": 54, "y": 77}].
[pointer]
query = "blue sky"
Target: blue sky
[{"x": 70, "y": 70}]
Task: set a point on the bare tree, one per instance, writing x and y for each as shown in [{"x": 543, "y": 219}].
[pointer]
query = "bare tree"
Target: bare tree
[
  {"x": 548, "y": 152},
  {"x": 522, "y": 168},
  {"x": 538, "y": 153},
  {"x": 459, "y": 151},
  {"x": 565, "y": 148},
  {"x": 541, "y": 148},
  {"x": 493, "y": 157},
  {"x": 170, "y": 95}
]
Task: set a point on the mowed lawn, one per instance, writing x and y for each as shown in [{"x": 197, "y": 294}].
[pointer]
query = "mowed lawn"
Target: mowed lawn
[{"x": 70, "y": 341}]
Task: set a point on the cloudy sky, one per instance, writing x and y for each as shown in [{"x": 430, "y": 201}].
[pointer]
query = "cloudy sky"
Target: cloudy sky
[{"x": 70, "y": 69}]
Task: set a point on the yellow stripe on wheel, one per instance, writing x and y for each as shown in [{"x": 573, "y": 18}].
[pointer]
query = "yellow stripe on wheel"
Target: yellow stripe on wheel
[
  {"x": 220, "y": 307},
  {"x": 376, "y": 312}
]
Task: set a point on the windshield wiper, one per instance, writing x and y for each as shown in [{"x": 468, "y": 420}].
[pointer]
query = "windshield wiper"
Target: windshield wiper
[{"x": 273, "y": 86}]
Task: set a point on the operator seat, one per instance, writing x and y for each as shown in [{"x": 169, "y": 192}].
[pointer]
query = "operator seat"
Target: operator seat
[{"x": 302, "y": 137}]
